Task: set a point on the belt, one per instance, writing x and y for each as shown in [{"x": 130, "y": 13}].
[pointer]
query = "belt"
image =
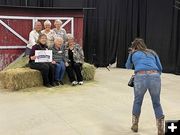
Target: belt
[{"x": 147, "y": 72}]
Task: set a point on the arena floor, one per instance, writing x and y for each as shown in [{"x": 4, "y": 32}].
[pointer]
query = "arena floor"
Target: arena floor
[{"x": 100, "y": 107}]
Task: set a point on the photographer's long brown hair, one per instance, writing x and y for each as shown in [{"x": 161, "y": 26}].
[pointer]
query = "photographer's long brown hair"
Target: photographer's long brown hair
[{"x": 139, "y": 45}]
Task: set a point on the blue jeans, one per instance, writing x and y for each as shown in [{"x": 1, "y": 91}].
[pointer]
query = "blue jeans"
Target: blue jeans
[
  {"x": 60, "y": 70},
  {"x": 152, "y": 83}
]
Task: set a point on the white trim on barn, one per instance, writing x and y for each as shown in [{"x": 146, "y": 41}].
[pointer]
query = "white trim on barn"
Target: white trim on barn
[
  {"x": 12, "y": 47},
  {"x": 34, "y": 19},
  {"x": 31, "y": 18},
  {"x": 13, "y": 31}
]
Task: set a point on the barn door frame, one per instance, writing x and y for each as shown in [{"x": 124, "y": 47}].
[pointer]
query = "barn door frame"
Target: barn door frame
[{"x": 34, "y": 19}]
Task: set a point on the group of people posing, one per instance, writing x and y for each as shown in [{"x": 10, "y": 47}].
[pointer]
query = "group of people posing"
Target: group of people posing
[
  {"x": 68, "y": 56},
  {"x": 66, "y": 53}
]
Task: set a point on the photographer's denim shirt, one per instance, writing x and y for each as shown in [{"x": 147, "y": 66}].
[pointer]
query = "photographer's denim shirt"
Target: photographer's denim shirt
[{"x": 143, "y": 62}]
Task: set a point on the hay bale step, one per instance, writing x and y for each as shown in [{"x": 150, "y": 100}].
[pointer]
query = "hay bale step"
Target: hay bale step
[{"x": 21, "y": 78}]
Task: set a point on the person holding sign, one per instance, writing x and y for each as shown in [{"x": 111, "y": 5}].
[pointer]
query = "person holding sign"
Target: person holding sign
[
  {"x": 58, "y": 59},
  {"x": 46, "y": 68}
]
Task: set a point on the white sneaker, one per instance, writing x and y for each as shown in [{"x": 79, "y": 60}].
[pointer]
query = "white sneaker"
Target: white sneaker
[
  {"x": 81, "y": 83},
  {"x": 74, "y": 83}
]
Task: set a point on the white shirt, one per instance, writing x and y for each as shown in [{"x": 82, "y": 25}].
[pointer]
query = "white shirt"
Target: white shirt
[
  {"x": 50, "y": 37},
  {"x": 33, "y": 37}
]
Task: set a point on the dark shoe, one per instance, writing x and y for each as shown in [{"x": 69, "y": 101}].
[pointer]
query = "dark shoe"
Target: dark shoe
[
  {"x": 53, "y": 84},
  {"x": 57, "y": 83},
  {"x": 60, "y": 82},
  {"x": 135, "y": 121},
  {"x": 48, "y": 85}
]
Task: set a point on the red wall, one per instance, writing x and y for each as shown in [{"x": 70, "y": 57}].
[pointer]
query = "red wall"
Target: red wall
[{"x": 23, "y": 27}]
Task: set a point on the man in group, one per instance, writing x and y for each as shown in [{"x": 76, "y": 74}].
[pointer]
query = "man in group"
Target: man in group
[{"x": 33, "y": 37}]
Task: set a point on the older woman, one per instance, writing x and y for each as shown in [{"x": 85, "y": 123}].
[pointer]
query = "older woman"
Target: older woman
[
  {"x": 33, "y": 37},
  {"x": 49, "y": 33},
  {"x": 60, "y": 32},
  {"x": 74, "y": 58},
  {"x": 58, "y": 59},
  {"x": 147, "y": 77},
  {"x": 46, "y": 69}
]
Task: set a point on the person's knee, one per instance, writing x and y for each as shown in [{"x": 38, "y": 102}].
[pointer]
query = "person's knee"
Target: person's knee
[
  {"x": 155, "y": 101},
  {"x": 44, "y": 67},
  {"x": 138, "y": 100},
  {"x": 58, "y": 66},
  {"x": 63, "y": 67},
  {"x": 76, "y": 65},
  {"x": 51, "y": 66}
]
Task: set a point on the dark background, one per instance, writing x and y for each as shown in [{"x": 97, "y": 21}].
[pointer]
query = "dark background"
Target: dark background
[{"x": 110, "y": 28}]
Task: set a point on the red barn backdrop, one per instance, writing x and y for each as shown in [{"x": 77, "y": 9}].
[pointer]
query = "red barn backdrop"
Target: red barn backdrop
[{"x": 16, "y": 24}]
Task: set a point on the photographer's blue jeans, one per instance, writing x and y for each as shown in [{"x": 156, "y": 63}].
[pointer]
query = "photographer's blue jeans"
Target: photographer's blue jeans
[
  {"x": 60, "y": 70},
  {"x": 152, "y": 83}
]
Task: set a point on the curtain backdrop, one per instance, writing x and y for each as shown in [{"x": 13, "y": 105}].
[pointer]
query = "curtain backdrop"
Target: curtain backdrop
[
  {"x": 110, "y": 29},
  {"x": 43, "y": 3}
]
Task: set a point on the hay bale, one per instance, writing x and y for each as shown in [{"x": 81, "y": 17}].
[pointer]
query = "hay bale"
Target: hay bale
[
  {"x": 20, "y": 78},
  {"x": 88, "y": 72}
]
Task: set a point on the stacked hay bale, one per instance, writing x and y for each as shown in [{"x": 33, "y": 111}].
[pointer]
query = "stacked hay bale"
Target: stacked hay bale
[{"x": 18, "y": 76}]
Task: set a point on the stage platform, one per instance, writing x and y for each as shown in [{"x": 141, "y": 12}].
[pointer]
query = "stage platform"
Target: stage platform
[{"x": 99, "y": 107}]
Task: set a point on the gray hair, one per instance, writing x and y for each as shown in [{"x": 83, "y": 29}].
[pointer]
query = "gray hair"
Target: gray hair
[
  {"x": 37, "y": 23},
  {"x": 58, "y": 38},
  {"x": 58, "y": 21},
  {"x": 70, "y": 36}
]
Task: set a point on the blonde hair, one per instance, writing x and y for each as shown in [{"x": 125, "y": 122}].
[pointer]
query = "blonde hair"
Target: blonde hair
[{"x": 47, "y": 22}]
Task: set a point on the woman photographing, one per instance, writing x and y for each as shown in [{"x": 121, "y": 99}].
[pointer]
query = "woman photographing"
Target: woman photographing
[{"x": 147, "y": 77}]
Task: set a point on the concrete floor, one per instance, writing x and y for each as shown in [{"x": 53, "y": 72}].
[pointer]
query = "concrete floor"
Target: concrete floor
[{"x": 100, "y": 107}]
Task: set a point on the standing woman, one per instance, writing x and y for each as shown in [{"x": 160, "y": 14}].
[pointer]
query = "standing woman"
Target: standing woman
[
  {"x": 49, "y": 33},
  {"x": 147, "y": 77},
  {"x": 74, "y": 59},
  {"x": 46, "y": 69},
  {"x": 59, "y": 31}
]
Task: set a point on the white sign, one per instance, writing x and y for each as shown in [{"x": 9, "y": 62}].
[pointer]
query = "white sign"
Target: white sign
[{"x": 43, "y": 56}]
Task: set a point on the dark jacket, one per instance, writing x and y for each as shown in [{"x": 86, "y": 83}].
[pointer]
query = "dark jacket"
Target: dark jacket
[{"x": 36, "y": 47}]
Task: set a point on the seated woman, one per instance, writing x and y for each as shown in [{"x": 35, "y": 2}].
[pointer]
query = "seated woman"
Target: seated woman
[
  {"x": 46, "y": 69},
  {"x": 74, "y": 58},
  {"x": 49, "y": 33},
  {"x": 58, "y": 60}
]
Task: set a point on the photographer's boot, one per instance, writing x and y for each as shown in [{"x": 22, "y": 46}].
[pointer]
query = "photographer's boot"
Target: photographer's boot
[
  {"x": 160, "y": 126},
  {"x": 135, "y": 120}
]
